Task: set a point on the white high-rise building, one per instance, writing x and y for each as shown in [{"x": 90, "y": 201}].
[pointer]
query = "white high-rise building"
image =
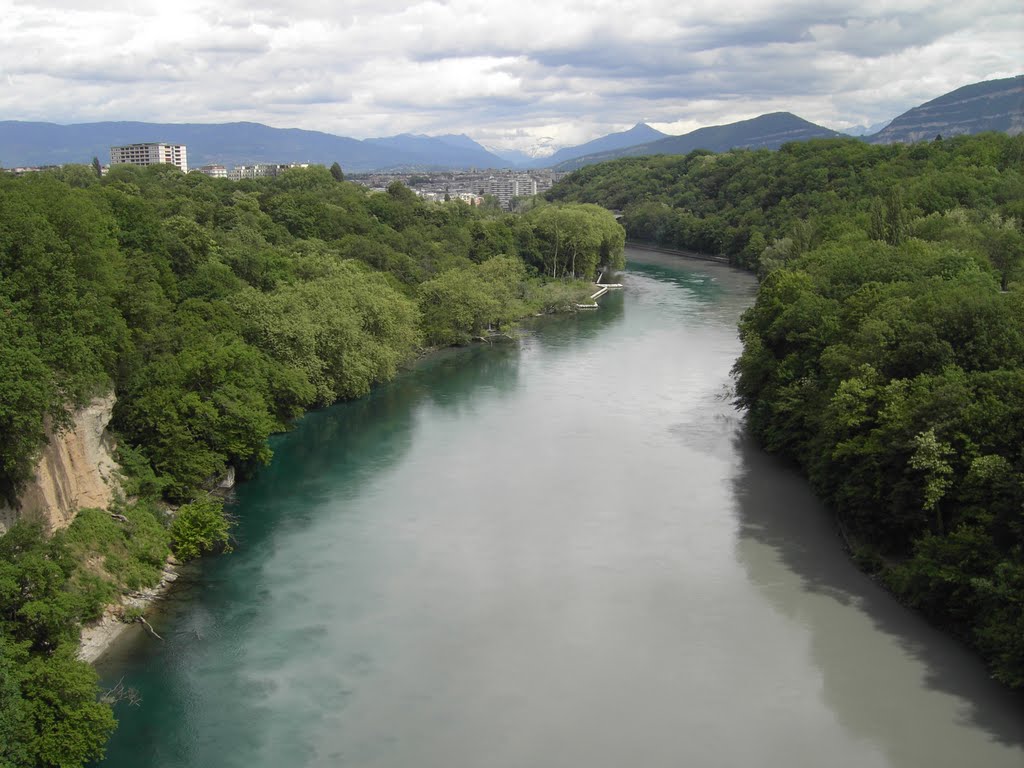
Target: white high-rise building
[
  {"x": 507, "y": 186},
  {"x": 150, "y": 154},
  {"x": 216, "y": 171}
]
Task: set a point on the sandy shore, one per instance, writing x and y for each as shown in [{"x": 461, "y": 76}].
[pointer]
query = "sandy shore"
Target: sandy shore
[{"x": 98, "y": 636}]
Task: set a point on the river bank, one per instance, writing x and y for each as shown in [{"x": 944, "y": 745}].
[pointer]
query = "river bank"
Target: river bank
[
  {"x": 99, "y": 636},
  {"x": 431, "y": 576}
]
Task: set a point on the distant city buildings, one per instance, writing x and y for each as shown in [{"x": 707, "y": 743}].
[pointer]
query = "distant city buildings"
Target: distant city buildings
[
  {"x": 507, "y": 186},
  {"x": 22, "y": 170},
  {"x": 175, "y": 154},
  {"x": 261, "y": 170},
  {"x": 216, "y": 171},
  {"x": 469, "y": 186},
  {"x": 153, "y": 153}
]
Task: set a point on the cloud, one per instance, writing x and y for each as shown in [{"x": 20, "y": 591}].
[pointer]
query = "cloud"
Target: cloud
[{"x": 518, "y": 75}]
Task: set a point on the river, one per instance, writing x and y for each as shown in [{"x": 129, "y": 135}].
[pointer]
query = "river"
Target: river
[{"x": 559, "y": 552}]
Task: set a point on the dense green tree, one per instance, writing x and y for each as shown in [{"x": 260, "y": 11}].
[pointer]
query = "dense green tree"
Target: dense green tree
[
  {"x": 27, "y": 397},
  {"x": 199, "y": 527},
  {"x": 67, "y": 725},
  {"x": 578, "y": 239},
  {"x": 715, "y": 203},
  {"x": 49, "y": 712},
  {"x": 35, "y": 607}
]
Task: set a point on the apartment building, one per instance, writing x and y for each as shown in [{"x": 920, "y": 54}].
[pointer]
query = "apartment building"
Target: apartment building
[
  {"x": 153, "y": 153},
  {"x": 261, "y": 170},
  {"x": 216, "y": 171},
  {"x": 507, "y": 186}
]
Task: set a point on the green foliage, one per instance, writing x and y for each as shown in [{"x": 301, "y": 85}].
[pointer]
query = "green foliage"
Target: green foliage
[
  {"x": 200, "y": 408},
  {"x": 576, "y": 240},
  {"x": 200, "y": 527},
  {"x": 217, "y": 310},
  {"x": 65, "y": 724},
  {"x": 558, "y": 295},
  {"x": 137, "y": 476},
  {"x": 738, "y": 202},
  {"x": 27, "y": 396},
  {"x": 462, "y": 304},
  {"x": 49, "y": 712},
  {"x": 36, "y": 607},
  {"x": 15, "y": 736},
  {"x": 339, "y": 332},
  {"x": 131, "y": 614},
  {"x": 133, "y": 553}
]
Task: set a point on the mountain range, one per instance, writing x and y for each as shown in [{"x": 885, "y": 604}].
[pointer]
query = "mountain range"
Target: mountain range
[
  {"x": 994, "y": 105},
  {"x": 24, "y": 143},
  {"x": 641, "y": 133},
  {"x": 769, "y": 131}
]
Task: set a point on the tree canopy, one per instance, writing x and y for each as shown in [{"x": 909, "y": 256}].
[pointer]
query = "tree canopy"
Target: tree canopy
[{"x": 217, "y": 310}]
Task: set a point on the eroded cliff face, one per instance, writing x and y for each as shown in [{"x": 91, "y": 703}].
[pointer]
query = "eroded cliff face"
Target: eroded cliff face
[{"x": 76, "y": 470}]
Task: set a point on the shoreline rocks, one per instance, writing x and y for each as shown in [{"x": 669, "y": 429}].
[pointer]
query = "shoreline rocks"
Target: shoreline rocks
[{"x": 99, "y": 636}]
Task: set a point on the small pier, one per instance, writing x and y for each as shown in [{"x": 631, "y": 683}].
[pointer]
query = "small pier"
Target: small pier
[{"x": 602, "y": 289}]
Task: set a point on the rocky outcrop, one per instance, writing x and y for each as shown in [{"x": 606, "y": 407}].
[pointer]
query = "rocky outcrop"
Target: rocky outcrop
[{"x": 76, "y": 470}]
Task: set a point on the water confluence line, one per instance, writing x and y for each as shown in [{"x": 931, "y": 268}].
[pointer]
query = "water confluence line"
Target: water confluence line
[{"x": 677, "y": 252}]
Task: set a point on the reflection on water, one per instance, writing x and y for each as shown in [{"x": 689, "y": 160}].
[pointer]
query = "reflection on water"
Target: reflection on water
[{"x": 868, "y": 647}]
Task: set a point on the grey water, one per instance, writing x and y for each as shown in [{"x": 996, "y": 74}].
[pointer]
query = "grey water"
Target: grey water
[{"x": 563, "y": 551}]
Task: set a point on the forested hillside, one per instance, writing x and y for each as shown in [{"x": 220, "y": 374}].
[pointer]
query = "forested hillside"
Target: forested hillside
[
  {"x": 739, "y": 202},
  {"x": 216, "y": 311},
  {"x": 885, "y": 351}
]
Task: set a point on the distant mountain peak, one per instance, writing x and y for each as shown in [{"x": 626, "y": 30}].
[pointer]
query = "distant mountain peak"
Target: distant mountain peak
[
  {"x": 769, "y": 131},
  {"x": 640, "y": 133}
]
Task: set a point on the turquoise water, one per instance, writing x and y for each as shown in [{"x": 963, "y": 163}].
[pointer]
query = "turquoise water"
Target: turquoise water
[{"x": 559, "y": 552}]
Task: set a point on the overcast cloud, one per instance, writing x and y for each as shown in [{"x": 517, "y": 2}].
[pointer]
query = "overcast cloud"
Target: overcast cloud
[{"x": 511, "y": 75}]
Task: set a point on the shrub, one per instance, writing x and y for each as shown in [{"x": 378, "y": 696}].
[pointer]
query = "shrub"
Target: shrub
[{"x": 200, "y": 527}]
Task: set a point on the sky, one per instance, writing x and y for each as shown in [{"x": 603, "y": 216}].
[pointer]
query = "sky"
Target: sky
[{"x": 530, "y": 75}]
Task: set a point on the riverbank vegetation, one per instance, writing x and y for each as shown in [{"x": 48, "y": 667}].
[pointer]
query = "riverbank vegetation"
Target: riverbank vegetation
[
  {"x": 217, "y": 312},
  {"x": 885, "y": 352}
]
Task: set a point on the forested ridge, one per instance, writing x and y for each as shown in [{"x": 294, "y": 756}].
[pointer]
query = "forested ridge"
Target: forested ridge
[
  {"x": 885, "y": 351},
  {"x": 217, "y": 312}
]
